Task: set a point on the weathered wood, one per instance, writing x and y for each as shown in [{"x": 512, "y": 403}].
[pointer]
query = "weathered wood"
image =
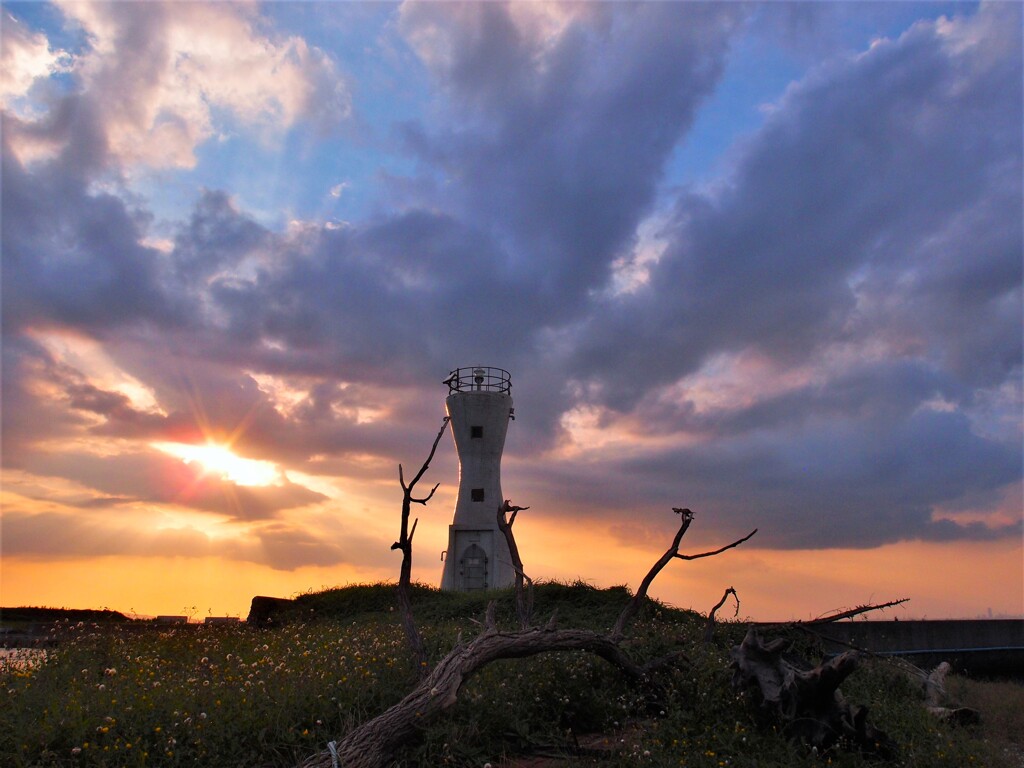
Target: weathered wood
[
  {"x": 851, "y": 612},
  {"x": 374, "y": 743},
  {"x": 802, "y": 699},
  {"x": 709, "y": 628},
  {"x": 524, "y": 597},
  {"x": 404, "y": 543}
]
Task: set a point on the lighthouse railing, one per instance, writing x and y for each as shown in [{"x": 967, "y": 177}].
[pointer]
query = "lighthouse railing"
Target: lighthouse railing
[{"x": 479, "y": 378}]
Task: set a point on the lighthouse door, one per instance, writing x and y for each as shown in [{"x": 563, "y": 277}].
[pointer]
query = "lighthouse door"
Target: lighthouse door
[{"x": 473, "y": 566}]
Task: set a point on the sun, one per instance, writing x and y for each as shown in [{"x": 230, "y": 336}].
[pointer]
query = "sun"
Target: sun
[{"x": 219, "y": 460}]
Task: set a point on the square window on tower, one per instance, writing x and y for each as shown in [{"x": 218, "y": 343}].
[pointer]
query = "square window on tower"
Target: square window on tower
[
  {"x": 476, "y": 433},
  {"x": 476, "y": 494}
]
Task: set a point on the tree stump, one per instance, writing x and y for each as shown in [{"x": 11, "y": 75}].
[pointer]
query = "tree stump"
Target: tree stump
[{"x": 805, "y": 700}]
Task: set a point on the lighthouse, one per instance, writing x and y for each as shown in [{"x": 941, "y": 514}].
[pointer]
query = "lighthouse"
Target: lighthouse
[{"x": 479, "y": 407}]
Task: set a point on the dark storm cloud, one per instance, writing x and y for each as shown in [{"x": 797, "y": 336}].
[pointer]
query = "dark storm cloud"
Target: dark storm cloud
[
  {"x": 560, "y": 150},
  {"x": 74, "y": 258},
  {"x": 830, "y": 483},
  {"x": 860, "y": 180}
]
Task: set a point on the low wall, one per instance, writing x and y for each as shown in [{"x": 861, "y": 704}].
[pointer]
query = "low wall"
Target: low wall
[{"x": 979, "y": 647}]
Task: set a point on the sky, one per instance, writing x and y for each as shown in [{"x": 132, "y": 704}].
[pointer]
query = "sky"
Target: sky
[{"x": 759, "y": 260}]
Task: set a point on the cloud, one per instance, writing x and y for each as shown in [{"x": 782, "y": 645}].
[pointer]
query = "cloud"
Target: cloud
[
  {"x": 160, "y": 78},
  {"x": 560, "y": 128},
  {"x": 827, "y": 344},
  {"x": 56, "y": 535},
  {"x": 837, "y": 225},
  {"x": 25, "y": 58}
]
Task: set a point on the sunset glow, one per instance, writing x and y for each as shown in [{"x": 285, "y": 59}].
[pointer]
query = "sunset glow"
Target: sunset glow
[
  {"x": 219, "y": 461},
  {"x": 760, "y": 260}
]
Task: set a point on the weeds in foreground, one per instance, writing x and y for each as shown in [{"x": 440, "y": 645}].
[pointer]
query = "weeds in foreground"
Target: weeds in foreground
[{"x": 120, "y": 695}]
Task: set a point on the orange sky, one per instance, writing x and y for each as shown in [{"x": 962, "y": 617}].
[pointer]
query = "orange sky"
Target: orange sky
[{"x": 960, "y": 580}]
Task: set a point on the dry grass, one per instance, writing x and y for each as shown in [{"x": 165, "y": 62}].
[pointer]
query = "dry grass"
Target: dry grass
[{"x": 1001, "y": 704}]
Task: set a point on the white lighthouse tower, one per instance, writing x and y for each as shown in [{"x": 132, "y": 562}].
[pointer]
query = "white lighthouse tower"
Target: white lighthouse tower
[{"x": 479, "y": 404}]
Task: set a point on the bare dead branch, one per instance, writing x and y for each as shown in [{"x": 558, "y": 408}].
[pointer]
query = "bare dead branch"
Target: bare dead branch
[
  {"x": 848, "y": 614},
  {"x": 633, "y": 606},
  {"x": 428, "y": 496},
  {"x": 709, "y": 630},
  {"x": 524, "y": 599},
  {"x": 404, "y": 543},
  {"x": 718, "y": 551}
]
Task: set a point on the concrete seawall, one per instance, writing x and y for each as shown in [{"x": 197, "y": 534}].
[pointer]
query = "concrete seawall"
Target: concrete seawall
[{"x": 981, "y": 647}]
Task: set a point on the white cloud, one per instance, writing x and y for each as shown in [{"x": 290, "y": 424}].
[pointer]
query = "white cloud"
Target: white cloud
[
  {"x": 25, "y": 57},
  {"x": 165, "y": 74}
]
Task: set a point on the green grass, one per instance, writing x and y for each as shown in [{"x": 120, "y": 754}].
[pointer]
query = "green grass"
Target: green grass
[{"x": 120, "y": 695}]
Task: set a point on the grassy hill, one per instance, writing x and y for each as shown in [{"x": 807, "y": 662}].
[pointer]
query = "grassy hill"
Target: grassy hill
[{"x": 238, "y": 696}]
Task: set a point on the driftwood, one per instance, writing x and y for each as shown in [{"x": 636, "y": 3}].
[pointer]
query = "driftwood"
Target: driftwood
[
  {"x": 936, "y": 700},
  {"x": 375, "y": 743},
  {"x": 851, "y": 612},
  {"x": 524, "y": 597},
  {"x": 404, "y": 544},
  {"x": 932, "y": 683},
  {"x": 709, "y": 628},
  {"x": 804, "y": 700}
]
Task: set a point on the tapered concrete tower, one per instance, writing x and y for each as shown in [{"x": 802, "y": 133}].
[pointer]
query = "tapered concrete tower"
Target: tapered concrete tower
[{"x": 480, "y": 407}]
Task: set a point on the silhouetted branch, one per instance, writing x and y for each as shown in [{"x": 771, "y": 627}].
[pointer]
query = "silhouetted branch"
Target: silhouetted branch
[
  {"x": 524, "y": 599},
  {"x": 634, "y": 604},
  {"x": 709, "y": 630},
  {"x": 849, "y": 614},
  {"x": 404, "y": 543},
  {"x": 718, "y": 551}
]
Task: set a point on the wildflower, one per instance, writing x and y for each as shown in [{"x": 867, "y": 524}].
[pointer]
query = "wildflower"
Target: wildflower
[{"x": 76, "y": 750}]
